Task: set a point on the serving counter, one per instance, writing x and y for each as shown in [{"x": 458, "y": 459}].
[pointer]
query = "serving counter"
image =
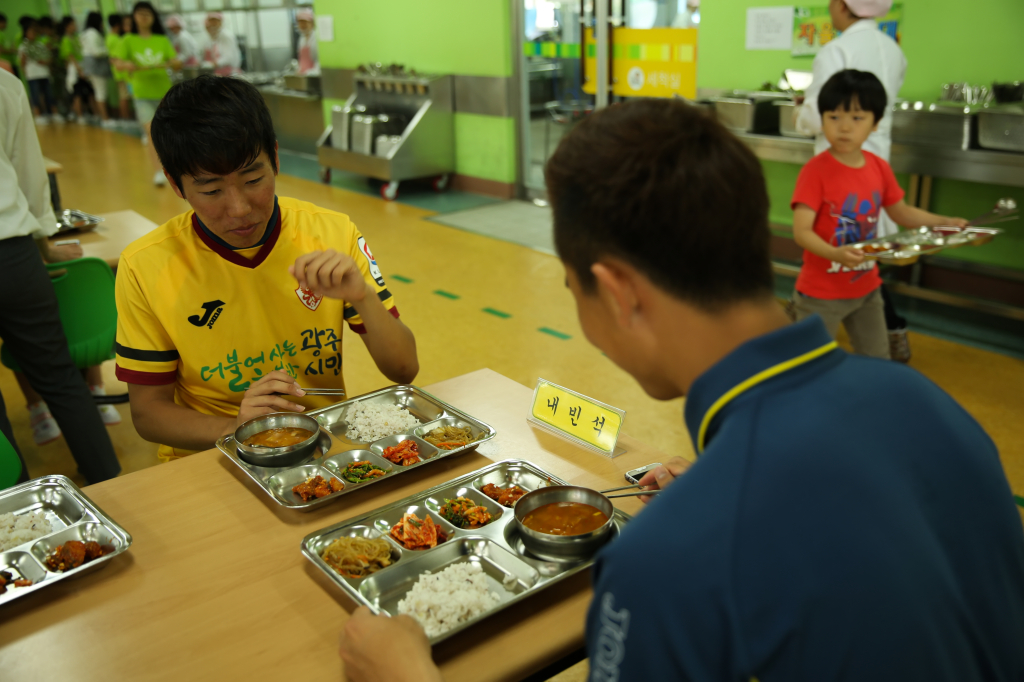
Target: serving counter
[
  {"x": 298, "y": 117},
  {"x": 215, "y": 586}
]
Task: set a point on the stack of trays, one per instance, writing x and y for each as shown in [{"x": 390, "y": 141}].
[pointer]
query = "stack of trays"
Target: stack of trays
[
  {"x": 336, "y": 450},
  {"x": 512, "y": 573},
  {"x": 71, "y": 516}
]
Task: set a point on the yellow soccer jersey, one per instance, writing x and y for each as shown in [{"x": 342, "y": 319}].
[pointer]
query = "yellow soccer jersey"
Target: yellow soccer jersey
[{"x": 197, "y": 314}]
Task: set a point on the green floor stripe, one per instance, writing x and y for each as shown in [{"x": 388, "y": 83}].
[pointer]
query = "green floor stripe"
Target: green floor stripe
[
  {"x": 401, "y": 279},
  {"x": 446, "y": 294},
  {"x": 497, "y": 313},
  {"x": 552, "y": 332},
  {"x": 1020, "y": 500}
]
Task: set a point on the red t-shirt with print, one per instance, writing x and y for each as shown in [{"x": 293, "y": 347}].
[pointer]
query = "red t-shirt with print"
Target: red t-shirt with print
[{"x": 847, "y": 202}]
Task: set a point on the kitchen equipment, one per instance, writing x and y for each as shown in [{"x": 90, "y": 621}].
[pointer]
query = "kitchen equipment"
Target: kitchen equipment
[
  {"x": 362, "y": 130},
  {"x": 1006, "y": 93},
  {"x": 72, "y": 516},
  {"x": 277, "y": 457},
  {"x": 302, "y": 83},
  {"x": 749, "y": 112},
  {"x": 798, "y": 81},
  {"x": 335, "y": 450},
  {"x": 1001, "y": 127},
  {"x": 513, "y": 572},
  {"x": 385, "y": 143},
  {"x": 787, "y": 119},
  {"x": 340, "y": 116},
  {"x": 563, "y": 547},
  {"x": 949, "y": 125}
]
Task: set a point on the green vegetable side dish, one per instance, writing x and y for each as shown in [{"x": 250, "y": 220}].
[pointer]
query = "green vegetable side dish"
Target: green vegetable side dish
[
  {"x": 357, "y": 472},
  {"x": 463, "y": 512}
]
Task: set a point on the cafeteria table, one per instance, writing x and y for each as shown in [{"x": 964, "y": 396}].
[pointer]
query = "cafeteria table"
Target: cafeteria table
[
  {"x": 214, "y": 585},
  {"x": 108, "y": 239}
]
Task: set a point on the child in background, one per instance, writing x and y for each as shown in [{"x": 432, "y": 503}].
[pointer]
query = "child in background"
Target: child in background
[
  {"x": 116, "y": 22},
  {"x": 78, "y": 87},
  {"x": 8, "y": 47},
  {"x": 35, "y": 58},
  {"x": 96, "y": 63},
  {"x": 838, "y": 199}
]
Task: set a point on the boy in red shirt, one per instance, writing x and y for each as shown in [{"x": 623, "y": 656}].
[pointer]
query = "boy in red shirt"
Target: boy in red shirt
[{"x": 839, "y": 196}]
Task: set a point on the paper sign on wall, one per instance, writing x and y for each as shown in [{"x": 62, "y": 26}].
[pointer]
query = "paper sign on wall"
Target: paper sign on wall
[
  {"x": 577, "y": 418},
  {"x": 325, "y": 28},
  {"x": 812, "y": 28},
  {"x": 770, "y": 28}
]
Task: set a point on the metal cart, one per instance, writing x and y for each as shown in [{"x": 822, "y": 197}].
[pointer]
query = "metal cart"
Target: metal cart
[{"x": 393, "y": 128}]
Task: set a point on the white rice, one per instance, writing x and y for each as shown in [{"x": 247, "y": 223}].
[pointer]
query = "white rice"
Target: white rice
[
  {"x": 17, "y": 530},
  {"x": 368, "y": 422},
  {"x": 444, "y": 600}
]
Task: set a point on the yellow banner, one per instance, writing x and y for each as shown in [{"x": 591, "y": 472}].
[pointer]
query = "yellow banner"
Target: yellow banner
[
  {"x": 655, "y": 62},
  {"x": 577, "y": 416}
]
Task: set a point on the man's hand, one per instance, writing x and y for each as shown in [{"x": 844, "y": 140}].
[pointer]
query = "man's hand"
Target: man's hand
[
  {"x": 365, "y": 660},
  {"x": 262, "y": 397},
  {"x": 331, "y": 274},
  {"x": 849, "y": 256},
  {"x": 660, "y": 477},
  {"x": 59, "y": 254}
]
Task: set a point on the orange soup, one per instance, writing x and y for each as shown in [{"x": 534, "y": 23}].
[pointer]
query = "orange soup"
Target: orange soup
[
  {"x": 278, "y": 438},
  {"x": 565, "y": 518}
]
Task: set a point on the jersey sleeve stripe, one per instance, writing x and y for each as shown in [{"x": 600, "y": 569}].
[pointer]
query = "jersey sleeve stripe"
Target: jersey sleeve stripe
[
  {"x": 383, "y": 295},
  {"x": 131, "y": 376},
  {"x": 147, "y": 355}
]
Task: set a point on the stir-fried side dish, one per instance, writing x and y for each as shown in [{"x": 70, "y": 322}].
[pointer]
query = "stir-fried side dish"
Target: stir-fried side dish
[
  {"x": 316, "y": 486},
  {"x": 506, "y": 497},
  {"x": 463, "y": 512},
  {"x": 357, "y": 557},
  {"x": 403, "y": 454},
  {"x": 412, "y": 533},
  {"x": 74, "y": 553},
  {"x": 565, "y": 518},
  {"x": 449, "y": 437},
  {"x": 7, "y": 579},
  {"x": 278, "y": 438},
  {"x": 357, "y": 472}
]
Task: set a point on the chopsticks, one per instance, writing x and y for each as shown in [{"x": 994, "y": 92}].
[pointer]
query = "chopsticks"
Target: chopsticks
[
  {"x": 627, "y": 487},
  {"x": 324, "y": 391}
]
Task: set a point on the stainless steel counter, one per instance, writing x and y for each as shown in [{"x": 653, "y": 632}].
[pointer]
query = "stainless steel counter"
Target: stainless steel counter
[
  {"x": 972, "y": 165},
  {"x": 298, "y": 117}
]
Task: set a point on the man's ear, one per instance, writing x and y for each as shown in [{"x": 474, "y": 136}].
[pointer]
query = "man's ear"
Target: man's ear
[{"x": 617, "y": 289}]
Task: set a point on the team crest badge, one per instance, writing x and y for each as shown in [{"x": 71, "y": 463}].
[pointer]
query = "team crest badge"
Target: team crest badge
[{"x": 308, "y": 298}]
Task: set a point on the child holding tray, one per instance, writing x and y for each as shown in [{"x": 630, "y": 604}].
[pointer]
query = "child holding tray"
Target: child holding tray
[{"x": 838, "y": 201}]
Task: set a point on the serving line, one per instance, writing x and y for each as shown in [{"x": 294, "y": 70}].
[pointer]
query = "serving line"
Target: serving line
[{"x": 216, "y": 562}]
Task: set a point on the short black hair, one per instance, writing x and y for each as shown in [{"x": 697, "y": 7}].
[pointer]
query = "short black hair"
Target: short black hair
[
  {"x": 44, "y": 22},
  {"x": 157, "y": 28},
  {"x": 3, "y": 17},
  {"x": 212, "y": 125},
  {"x": 664, "y": 186},
  {"x": 94, "y": 20},
  {"x": 114, "y": 20},
  {"x": 846, "y": 87}
]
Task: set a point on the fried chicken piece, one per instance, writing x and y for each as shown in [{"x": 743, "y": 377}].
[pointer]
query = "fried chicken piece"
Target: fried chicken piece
[
  {"x": 67, "y": 556},
  {"x": 336, "y": 485},
  {"x": 93, "y": 550},
  {"x": 22, "y": 582},
  {"x": 323, "y": 490}
]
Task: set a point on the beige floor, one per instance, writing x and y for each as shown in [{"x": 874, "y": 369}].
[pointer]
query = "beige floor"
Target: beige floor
[{"x": 106, "y": 171}]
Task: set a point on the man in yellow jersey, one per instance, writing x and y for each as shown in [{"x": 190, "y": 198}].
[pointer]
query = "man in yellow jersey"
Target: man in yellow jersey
[{"x": 227, "y": 308}]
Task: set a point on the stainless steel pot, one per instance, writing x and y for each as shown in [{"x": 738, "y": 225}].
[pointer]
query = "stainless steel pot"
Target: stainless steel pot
[{"x": 276, "y": 457}]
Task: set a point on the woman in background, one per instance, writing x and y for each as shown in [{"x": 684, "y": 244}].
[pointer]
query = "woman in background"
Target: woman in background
[
  {"x": 219, "y": 49},
  {"x": 184, "y": 43},
  {"x": 309, "y": 58},
  {"x": 96, "y": 63},
  {"x": 145, "y": 54}
]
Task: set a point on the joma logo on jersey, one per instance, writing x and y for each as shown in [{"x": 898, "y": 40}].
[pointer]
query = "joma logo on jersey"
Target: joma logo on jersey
[{"x": 211, "y": 311}]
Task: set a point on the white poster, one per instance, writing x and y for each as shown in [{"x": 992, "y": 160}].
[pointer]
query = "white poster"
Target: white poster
[
  {"x": 770, "y": 28},
  {"x": 325, "y": 27}
]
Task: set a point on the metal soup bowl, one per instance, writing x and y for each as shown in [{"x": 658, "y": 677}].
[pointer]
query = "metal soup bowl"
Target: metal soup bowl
[
  {"x": 276, "y": 457},
  {"x": 563, "y": 547}
]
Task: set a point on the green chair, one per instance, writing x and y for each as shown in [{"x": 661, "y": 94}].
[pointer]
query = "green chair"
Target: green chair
[
  {"x": 87, "y": 311},
  {"x": 10, "y": 465}
]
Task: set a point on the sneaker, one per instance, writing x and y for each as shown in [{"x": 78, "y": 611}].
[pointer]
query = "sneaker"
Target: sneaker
[
  {"x": 899, "y": 345},
  {"x": 159, "y": 179},
  {"x": 108, "y": 413},
  {"x": 42, "y": 120},
  {"x": 57, "y": 118},
  {"x": 109, "y": 123},
  {"x": 81, "y": 121},
  {"x": 44, "y": 426}
]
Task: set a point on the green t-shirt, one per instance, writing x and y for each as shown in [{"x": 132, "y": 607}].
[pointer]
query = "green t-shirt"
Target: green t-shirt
[
  {"x": 147, "y": 82},
  {"x": 113, "y": 42},
  {"x": 71, "y": 46}
]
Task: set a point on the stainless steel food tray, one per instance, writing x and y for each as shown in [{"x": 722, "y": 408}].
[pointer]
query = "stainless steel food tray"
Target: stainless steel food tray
[
  {"x": 72, "y": 516},
  {"x": 906, "y": 246},
  {"x": 71, "y": 219},
  {"x": 497, "y": 546},
  {"x": 335, "y": 450}
]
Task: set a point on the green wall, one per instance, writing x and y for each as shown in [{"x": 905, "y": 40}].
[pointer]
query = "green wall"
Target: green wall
[
  {"x": 944, "y": 40},
  {"x": 458, "y": 37}
]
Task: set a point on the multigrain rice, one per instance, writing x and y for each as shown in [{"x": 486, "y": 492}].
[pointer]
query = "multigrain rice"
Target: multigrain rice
[
  {"x": 17, "y": 530},
  {"x": 446, "y": 599},
  {"x": 368, "y": 422}
]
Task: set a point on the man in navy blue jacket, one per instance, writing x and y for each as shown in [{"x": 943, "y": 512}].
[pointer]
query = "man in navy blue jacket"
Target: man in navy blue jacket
[{"x": 845, "y": 519}]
